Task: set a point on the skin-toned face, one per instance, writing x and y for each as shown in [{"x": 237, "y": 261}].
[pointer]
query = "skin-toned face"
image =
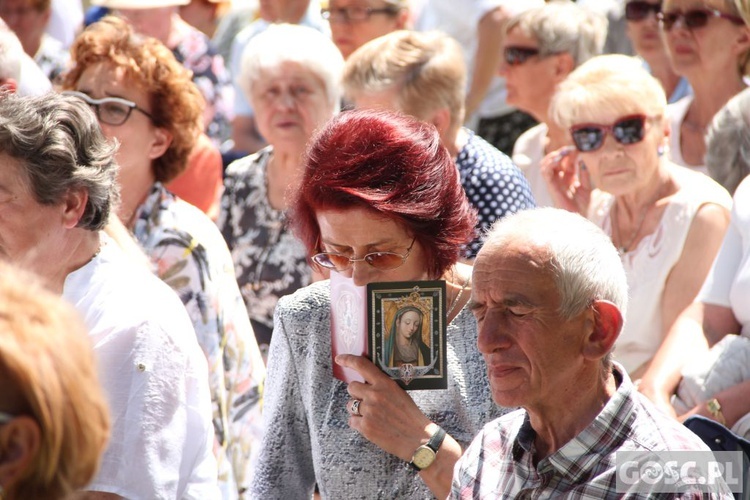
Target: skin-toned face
[
  {"x": 408, "y": 324},
  {"x": 27, "y": 22},
  {"x": 140, "y": 141},
  {"x": 30, "y": 233},
  {"x": 533, "y": 355},
  {"x": 624, "y": 169},
  {"x": 357, "y": 231},
  {"x": 349, "y": 36},
  {"x": 532, "y": 83},
  {"x": 290, "y": 103},
  {"x": 645, "y": 36},
  {"x": 711, "y": 50}
]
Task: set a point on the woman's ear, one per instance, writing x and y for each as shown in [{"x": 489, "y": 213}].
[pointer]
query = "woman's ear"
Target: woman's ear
[
  {"x": 160, "y": 144},
  {"x": 564, "y": 65},
  {"x": 20, "y": 441},
  {"x": 75, "y": 205},
  {"x": 742, "y": 41}
]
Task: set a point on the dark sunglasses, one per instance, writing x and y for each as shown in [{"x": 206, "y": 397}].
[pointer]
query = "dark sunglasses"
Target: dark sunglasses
[
  {"x": 695, "y": 18},
  {"x": 627, "y": 130},
  {"x": 519, "y": 55},
  {"x": 638, "y": 11}
]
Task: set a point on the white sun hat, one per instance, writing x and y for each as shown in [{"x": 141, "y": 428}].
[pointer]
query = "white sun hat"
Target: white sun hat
[{"x": 138, "y": 4}]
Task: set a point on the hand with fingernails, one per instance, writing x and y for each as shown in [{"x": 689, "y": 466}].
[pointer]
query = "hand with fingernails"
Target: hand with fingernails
[
  {"x": 568, "y": 180},
  {"x": 385, "y": 414}
]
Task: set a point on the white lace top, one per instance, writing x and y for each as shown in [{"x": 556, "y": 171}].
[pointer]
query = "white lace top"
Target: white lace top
[{"x": 649, "y": 264}]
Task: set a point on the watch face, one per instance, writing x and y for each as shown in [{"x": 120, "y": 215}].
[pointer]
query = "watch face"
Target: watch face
[{"x": 423, "y": 457}]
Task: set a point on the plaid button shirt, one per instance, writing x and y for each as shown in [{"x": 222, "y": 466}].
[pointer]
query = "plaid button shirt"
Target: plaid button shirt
[{"x": 499, "y": 462}]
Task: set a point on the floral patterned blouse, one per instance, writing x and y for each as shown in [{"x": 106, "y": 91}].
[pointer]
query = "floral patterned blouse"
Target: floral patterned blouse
[
  {"x": 196, "y": 53},
  {"x": 189, "y": 254},
  {"x": 269, "y": 261}
]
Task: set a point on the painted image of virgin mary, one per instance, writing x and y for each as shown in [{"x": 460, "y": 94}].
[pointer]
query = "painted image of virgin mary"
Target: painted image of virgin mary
[{"x": 404, "y": 345}]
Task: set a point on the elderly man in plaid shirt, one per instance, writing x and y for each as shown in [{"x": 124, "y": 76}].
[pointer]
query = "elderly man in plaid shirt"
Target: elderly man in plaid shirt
[{"x": 549, "y": 293}]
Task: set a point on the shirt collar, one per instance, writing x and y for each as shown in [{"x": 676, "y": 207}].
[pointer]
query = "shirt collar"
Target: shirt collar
[{"x": 605, "y": 433}]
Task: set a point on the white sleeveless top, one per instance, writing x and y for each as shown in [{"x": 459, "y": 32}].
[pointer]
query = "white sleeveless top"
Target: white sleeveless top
[
  {"x": 676, "y": 113},
  {"x": 648, "y": 265}
]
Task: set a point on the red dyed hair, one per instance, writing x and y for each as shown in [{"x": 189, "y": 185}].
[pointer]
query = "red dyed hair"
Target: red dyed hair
[{"x": 395, "y": 166}]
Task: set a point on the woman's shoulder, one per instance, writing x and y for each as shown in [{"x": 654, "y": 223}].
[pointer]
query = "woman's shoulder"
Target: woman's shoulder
[
  {"x": 246, "y": 166},
  {"x": 175, "y": 225},
  {"x": 307, "y": 303},
  {"x": 698, "y": 188}
]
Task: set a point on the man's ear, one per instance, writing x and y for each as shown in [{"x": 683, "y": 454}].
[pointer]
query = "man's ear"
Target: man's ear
[
  {"x": 608, "y": 322},
  {"x": 20, "y": 441},
  {"x": 442, "y": 120},
  {"x": 9, "y": 85}
]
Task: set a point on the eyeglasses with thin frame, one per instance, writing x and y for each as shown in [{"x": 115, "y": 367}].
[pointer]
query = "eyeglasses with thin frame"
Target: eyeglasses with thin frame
[
  {"x": 516, "y": 55},
  {"x": 382, "y": 261},
  {"x": 110, "y": 110},
  {"x": 355, "y": 14},
  {"x": 694, "y": 18},
  {"x": 589, "y": 137},
  {"x": 639, "y": 10}
]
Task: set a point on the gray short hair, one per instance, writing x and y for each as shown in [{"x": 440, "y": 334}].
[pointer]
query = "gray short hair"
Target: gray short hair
[
  {"x": 582, "y": 258},
  {"x": 58, "y": 140},
  {"x": 564, "y": 27},
  {"x": 728, "y": 142},
  {"x": 584, "y": 262},
  {"x": 426, "y": 68},
  {"x": 281, "y": 43}
]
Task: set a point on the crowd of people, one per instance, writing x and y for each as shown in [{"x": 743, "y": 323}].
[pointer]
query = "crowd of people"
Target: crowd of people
[{"x": 185, "y": 185}]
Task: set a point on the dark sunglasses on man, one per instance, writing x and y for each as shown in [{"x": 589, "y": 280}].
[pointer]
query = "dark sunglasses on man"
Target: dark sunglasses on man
[
  {"x": 589, "y": 137},
  {"x": 695, "y": 18},
  {"x": 638, "y": 10}
]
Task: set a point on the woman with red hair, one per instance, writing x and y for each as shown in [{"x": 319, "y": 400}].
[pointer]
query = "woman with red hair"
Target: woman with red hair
[{"x": 380, "y": 200}]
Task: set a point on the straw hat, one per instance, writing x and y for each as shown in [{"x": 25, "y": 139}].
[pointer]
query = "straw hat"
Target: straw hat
[{"x": 138, "y": 4}]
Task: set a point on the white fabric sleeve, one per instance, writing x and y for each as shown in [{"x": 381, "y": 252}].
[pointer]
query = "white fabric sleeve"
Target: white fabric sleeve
[
  {"x": 157, "y": 388},
  {"x": 717, "y": 287}
]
